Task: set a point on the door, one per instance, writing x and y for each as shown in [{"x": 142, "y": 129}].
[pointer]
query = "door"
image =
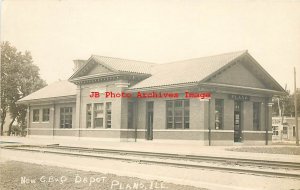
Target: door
[
  {"x": 237, "y": 122},
  {"x": 149, "y": 120}
]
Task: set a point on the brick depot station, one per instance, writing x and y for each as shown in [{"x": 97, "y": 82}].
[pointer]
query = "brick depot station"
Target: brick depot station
[{"x": 239, "y": 108}]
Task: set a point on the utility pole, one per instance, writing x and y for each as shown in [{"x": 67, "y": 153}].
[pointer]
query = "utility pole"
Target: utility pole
[{"x": 296, "y": 115}]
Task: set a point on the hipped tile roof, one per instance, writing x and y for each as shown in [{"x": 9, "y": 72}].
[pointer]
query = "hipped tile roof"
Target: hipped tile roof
[
  {"x": 187, "y": 71},
  {"x": 57, "y": 89}
]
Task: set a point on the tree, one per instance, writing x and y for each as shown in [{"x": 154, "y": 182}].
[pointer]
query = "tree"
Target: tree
[
  {"x": 19, "y": 78},
  {"x": 285, "y": 105},
  {"x": 9, "y": 60},
  {"x": 293, "y": 104}
]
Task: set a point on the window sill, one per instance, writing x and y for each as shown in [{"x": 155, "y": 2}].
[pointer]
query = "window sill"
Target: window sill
[{"x": 177, "y": 128}]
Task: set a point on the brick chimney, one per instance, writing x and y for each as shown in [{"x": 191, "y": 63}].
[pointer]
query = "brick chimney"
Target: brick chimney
[{"x": 77, "y": 64}]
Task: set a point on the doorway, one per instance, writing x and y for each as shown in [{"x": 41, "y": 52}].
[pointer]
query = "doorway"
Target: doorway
[
  {"x": 237, "y": 121},
  {"x": 149, "y": 120}
]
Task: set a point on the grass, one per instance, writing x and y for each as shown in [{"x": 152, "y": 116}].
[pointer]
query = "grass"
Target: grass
[
  {"x": 13, "y": 175},
  {"x": 269, "y": 150}
]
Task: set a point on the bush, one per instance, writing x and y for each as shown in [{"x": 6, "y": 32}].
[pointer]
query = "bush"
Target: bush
[{"x": 16, "y": 130}]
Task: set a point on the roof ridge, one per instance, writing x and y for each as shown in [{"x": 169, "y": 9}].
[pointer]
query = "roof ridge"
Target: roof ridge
[
  {"x": 173, "y": 62},
  {"x": 94, "y": 55}
]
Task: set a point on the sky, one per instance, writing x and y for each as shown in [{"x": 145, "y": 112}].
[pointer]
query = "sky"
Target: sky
[{"x": 58, "y": 31}]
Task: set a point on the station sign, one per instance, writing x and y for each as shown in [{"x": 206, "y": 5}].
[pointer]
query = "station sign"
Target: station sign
[{"x": 239, "y": 97}]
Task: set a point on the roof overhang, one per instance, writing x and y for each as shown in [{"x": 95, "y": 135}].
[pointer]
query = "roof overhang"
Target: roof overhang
[
  {"x": 213, "y": 87},
  {"x": 63, "y": 99},
  {"x": 242, "y": 89},
  {"x": 107, "y": 77}
]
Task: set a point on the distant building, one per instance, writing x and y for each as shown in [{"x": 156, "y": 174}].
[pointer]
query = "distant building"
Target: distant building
[
  {"x": 284, "y": 129},
  {"x": 239, "y": 111}
]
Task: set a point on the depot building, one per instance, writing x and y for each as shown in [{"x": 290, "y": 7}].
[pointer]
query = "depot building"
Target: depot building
[{"x": 235, "y": 108}]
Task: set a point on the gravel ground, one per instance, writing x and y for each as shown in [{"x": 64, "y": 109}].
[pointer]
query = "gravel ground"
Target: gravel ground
[
  {"x": 268, "y": 150},
  {"x": 19, "y": 175}
]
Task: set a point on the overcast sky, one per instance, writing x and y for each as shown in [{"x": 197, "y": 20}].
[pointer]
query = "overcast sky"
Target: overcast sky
[{"x": 59, "y": 31}]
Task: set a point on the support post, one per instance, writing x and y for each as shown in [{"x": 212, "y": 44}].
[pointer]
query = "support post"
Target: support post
[
  {"x": 78, "y": 108},
  {"x": 296, "y": 114},
  {"x": 135, "y": 119},
  {"x": 28, "y": 120},
  {"x": 54, "y": 119},
  {"x": 268, "y": 119},
  {"x": 209, "y": 126}
]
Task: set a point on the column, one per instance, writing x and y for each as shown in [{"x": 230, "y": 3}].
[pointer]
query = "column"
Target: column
[
  {"x": 207, "y": 122},
  {"x": 268, "y": 120},
  {"x": 78, "y": 109},
  {"x": 119, "y": 110},
  {"x": 28, "y": 120},
  {"x": 52, "y": 113}
]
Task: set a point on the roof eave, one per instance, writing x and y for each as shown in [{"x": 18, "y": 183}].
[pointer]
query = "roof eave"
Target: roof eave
[
  {"x": 111, "y": 74},
  {"x": 94, "y": 76},
  {"x": 210, "y": 85},
  {"x": 249, "y": 89},
  {"x": 51, "y": 99}
]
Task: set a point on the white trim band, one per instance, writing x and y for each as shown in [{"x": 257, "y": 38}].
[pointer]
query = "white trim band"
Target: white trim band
[
  {"x": 257, "y": 132},
  {"x": 82, "y": 129},
  {"x": 179, "y": 130},
  {"x": 221, "y": 131}
]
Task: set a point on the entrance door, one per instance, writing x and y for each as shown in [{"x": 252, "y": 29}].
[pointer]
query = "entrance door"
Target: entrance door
[
  {"x": 237, "y": 122},
  {"x": 149, "y": 115}
]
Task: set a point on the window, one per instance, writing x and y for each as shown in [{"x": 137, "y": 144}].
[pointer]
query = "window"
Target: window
[
  {"x": 186, "y": 114},
  {"x": 294, "y": 131},
  {"x": 66, "y": 117},
  {"x": 285, "y": 130},
  {"x": 108, "y": 114},
  {"x": 178, "y": 113},
  {"x": 89, "y": 115},
  {"x": 130, "y": 115},
  {"x": 46, "y": 113},
  {"x": 170, "y": 117},
  {"x": 219, "y": 113},
  {"x": 275, "y": 130},
  {"x": 98, "y": 115},
  {"x": 256, "y": 115},
  {"x": 36, "y": 115}
]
